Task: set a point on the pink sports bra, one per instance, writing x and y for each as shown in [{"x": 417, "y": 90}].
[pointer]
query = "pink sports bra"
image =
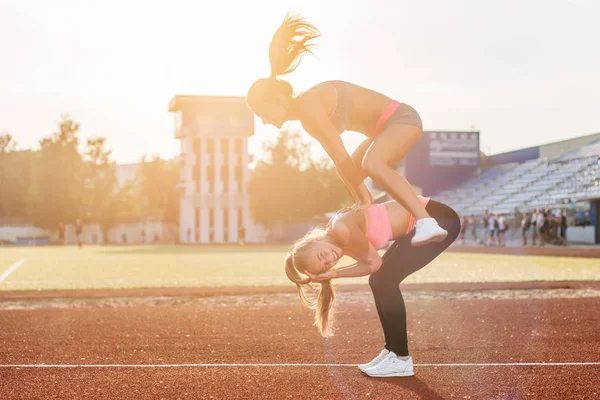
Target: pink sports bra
[{"x": 379, "y": 227}]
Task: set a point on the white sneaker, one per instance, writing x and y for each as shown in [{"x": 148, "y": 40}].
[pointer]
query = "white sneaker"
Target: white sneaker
[
  {"x": 374, "y": 361},
  {"x": 428, "y": 231},
  {"x": 391, "y": 365}
]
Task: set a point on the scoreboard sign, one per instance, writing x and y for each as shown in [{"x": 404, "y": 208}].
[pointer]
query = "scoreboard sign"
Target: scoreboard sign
[{"x": 454, "y": 149}]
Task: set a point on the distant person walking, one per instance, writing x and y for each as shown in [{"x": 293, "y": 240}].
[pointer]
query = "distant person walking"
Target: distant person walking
[
  {"x": 61, "y": 233},
  {"x": 79, "y": 232}
]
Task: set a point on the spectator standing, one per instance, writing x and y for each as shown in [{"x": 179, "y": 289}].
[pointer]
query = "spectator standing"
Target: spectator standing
[
  {"x": 61, "y": 233},
  {"x": 79, "y": 232},
  {"x": 492, "y": 227},
  {"x": 502, "y": 228},
  {"x": 464, "y": 224},
  {"x": 563, "y": 226},
  {"x": 525, "y": 226},
  {"x": 539, "y": 226},
  {"x": 534, "y": 216},
  {"x": 473, "y": 225},
  {"x": 485, "y": 223}
]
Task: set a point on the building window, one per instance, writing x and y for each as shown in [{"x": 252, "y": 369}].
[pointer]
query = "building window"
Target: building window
[
  {"x": 197, "y": 174},
  {"x": 210, "y": 168},
  {"x": 196, "y": 171},
  {"x": 239, "y": 146},
  {"x": 225, "y": 166},
  {"x": 225, "y": 149},
  {"x": 211, "y": 225},
  {"x": 239, "y": 154},
  {"x": 238, "y": 177},
  {"x": 225, "y": 177},
  {"x": 226, "y": 225},
  {"x": 210, "y": 177},
  {"x": 241, "y": 227}
]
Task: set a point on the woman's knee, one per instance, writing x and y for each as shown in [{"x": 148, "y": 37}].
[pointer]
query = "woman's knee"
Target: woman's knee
[
  {"x": 373, "y": 166},
  {"x": 374, "y": 282},
  {"x": 381, "y": 282},
  {"x": 453, "y": 224},
  {"x": 447, "y": 218}
]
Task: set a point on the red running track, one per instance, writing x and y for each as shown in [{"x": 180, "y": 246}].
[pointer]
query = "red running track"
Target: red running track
[{"x": 275, "y": 330}]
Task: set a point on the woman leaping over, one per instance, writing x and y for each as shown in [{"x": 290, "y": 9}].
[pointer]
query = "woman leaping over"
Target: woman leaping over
[{"x": 330, "y": 108}]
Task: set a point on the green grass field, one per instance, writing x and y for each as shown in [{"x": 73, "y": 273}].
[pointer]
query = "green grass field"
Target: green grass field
[{"x": 192, "y": 266}]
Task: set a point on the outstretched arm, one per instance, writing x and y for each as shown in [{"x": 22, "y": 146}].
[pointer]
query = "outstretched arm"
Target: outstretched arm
[{"x": 324, "y": 131}]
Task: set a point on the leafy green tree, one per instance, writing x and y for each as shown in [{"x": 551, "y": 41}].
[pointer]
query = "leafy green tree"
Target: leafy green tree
[
  {"x": 289, "y": 186},
  {"x": 101, "y": 199},
  {"x": 15, "y": 177},
  {"x": 7, "y": 143},
  {"x": 157, "y": 179},
  {"x": 57, "y": 185}
]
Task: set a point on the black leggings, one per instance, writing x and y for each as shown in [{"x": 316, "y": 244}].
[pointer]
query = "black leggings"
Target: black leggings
[{"x": 399, "y": 261}]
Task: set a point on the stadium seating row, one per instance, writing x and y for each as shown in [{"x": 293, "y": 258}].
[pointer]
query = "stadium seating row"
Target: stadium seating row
[{"x": 538, "y": 183}]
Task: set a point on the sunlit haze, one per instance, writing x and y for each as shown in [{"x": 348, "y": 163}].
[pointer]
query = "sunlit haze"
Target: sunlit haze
[{"x": 521, "y": 72}]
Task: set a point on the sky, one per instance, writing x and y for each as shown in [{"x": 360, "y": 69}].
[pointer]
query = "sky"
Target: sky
[{"x": 522, "y": 73}]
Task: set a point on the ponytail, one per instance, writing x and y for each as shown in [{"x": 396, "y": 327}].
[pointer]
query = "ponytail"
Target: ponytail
[
  {"x": 325, "y": 297},
  {"x": 294, "y": 276},
  {"x": 290, "y": 43},
  {"x": 324, "y": 310}
]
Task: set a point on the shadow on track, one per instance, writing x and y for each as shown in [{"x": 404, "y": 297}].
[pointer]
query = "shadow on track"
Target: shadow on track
[{"x": 415, "y": 385}]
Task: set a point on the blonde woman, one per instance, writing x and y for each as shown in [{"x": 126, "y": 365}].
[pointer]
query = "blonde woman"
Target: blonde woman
[
  {"x": 359, "y": 235},
  {"x": 330, "y": 108}
]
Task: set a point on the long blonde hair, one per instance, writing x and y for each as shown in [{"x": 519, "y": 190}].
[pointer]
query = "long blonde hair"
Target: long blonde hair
[
  {"x": 295, "y": 264},
  {"x": 288, "y": 46}
]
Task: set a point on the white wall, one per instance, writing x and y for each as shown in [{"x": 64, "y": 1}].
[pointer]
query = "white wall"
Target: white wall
[
  {"x": 581, "y": 234},
  {"x": 10, "y": 233}
]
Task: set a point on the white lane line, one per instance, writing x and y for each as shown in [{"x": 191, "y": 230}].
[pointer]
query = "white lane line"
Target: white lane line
[
  {"x": 525, "y": 364},
  {"x": 12, "y": 269}
]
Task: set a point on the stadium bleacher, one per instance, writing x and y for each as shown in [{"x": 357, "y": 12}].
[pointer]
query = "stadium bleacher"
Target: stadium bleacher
[{"x": 538, "y": 183}]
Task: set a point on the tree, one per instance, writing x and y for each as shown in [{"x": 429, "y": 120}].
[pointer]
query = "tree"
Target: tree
[
  {"x": 157, "y": 179},
  {"x": 101, "y": 200},
  {"x": 7, "y": 143},
  {"x": 56, "y": 191},
  {"x": 15, "y": 177},
  {"x": 288, "y": 186}
]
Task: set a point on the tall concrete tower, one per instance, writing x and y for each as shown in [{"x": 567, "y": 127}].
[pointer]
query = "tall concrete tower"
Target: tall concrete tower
[{"x": 214, "y": 205}]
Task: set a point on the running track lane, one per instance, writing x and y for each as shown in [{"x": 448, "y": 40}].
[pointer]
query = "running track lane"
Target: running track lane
[{"x": 466, "y": 331}]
